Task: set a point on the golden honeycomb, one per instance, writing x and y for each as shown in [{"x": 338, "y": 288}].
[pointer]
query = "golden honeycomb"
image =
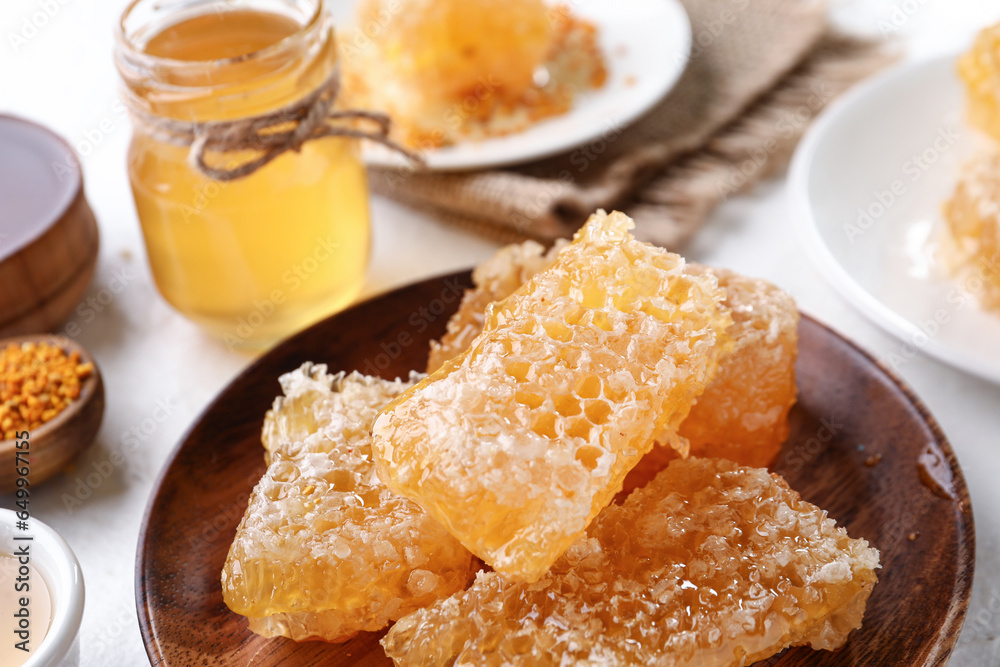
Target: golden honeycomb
[
  {"x": 438, "y": 62},
  {"x": 495, "y": 279},
  {"x": 309, "y": 400},
  {"x": 456, "y": 70},
  {"x": 324, "y": 550},
  {"x": 979, "y": 68},
  {"x": 743, "y": 414},
  {"x": 711, "y": 565},
  {"x": 519, "y": 442},
  {"x": 970, "y": 246},
  {"x": 449, "y": 48}
]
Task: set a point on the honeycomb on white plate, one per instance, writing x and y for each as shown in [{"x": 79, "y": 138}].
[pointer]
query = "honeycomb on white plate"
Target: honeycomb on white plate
[
  {"x": 970, "y": 245},
  {"x": 453, "y": 70},
  {"x": 979, "y": 69},
  {"x": 519, "y": 442},
  {"x": 324, "y": 550},
  {"x": 710, "y": 565},
  {"x": 448, "y": 48}
]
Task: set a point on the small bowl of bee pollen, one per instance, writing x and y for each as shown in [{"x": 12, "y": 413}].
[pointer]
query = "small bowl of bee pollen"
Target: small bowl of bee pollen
[{"x": 51, "y": 407}]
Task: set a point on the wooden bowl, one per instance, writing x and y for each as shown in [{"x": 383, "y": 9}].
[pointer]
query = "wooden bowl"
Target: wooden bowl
[
  {"x": 55, "y": 443},
  {"x": 48, "y": 234}
]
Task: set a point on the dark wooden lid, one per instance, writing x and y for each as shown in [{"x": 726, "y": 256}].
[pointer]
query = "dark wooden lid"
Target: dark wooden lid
[
  {"x": 39, "y": 179},
  {"x": 48, "y": 234}
]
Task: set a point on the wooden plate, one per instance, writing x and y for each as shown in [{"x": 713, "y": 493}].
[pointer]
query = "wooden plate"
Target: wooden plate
[{"x": 862, "y": 446}]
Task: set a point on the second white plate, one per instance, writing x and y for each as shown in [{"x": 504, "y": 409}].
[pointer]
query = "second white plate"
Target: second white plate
[
  {"x": 646, "y": 44},
  {"x": 866, "y": 186}
]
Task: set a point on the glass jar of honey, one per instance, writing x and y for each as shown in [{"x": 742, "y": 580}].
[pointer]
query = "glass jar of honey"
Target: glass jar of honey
[{"x": 256, "y": 237}]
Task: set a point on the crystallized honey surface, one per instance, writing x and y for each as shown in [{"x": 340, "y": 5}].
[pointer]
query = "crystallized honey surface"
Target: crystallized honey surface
[
  {"x": 457, "y": 70},
  {"x": 434, "y": 65},
  {"x": 711, "y": 565},
  {"x": 743, "y": 414},
  {"x": 971, "y": 245},
  {"x": 310, "y": 400},
  {"x": 324, "y": 550},
  {"x": 449, "y": 48},
  {"x": 519, "y": 442},
  {"x": 979, "y": 68},
  {"x": 495, "y": 280}
]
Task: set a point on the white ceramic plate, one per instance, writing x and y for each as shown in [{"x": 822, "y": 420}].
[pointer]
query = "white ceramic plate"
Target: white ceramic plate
[
  {"x": 866, "y": 188},
  {"x": 646, "y": 45}
]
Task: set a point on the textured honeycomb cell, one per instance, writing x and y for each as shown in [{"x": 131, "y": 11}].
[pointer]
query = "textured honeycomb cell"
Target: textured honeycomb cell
[
  {"x": 311, "y": 399},
  {"x": 970, "y": 247},
  {"x": 449, "y": 48},
  {"x": 519, "y": 442},
  {"x": 743, "y": 414},
  {"x": 463, "y": 70},
  {"x": 427, "y": 58},
  {"x": 324, "y": 549},
  {"x": 711, "y": 565},
  {"x": 495, "y": 279},
  {"x": 979, "y": 68}
]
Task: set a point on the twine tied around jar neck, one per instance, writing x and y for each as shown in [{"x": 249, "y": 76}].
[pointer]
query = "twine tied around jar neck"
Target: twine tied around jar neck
[{"x": 310, "y": 117}]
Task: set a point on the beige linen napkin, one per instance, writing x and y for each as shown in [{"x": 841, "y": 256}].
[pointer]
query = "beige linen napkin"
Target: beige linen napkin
[{"x": 758, "y": 72}]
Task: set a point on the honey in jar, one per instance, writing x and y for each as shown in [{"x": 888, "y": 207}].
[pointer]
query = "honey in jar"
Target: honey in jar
[{"x": 261, "y": 255}]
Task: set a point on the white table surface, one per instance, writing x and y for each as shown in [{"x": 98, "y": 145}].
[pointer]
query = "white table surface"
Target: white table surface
[{"x": 160, "y": 370}]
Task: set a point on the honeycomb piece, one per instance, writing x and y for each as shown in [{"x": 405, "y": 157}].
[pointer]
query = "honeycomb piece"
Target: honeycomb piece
[
  {"x": 743, "y": 414},
  {"x": 449, "y": 48},
  {"x": 457, "y": 70},
  {"x": 711, "y": 565},
  {"x": 518, "y": 443},
  {"x": 970, "y": 246},
  {"x": 495, "y": 279},
  {"x": 308, "y": 403},
  {"x": 324, "y": 550},
  {"x": 979, "y": 68},
  {"x": 428, "y": 58}
]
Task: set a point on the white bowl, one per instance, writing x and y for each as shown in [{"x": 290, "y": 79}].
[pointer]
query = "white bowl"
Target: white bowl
[
  {"x": 54, "y": 560},
  {"x": 866, "y": 187}
]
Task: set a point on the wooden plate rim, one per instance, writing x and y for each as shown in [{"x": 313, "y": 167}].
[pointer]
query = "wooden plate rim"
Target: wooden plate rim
[{"x": 966, "y": 550}]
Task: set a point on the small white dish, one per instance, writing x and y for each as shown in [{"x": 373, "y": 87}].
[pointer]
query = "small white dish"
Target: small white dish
[
  {"x": 52, "y": 558},
  {"x": 646, "y": 44},
  {"x": 866, "y": 187}
]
